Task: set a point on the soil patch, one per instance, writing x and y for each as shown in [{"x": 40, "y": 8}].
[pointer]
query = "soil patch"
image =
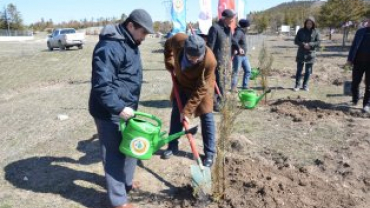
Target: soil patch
[{"x": 311, "y": 110}]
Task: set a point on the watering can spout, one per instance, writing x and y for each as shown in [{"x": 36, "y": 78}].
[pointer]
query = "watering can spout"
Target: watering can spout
[{"x": 177, "y": 135}]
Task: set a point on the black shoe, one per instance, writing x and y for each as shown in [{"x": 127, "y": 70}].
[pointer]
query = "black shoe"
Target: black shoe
[
  {"x": 169, "y": 152},
  {"x": 208, "y": 162},
  {"x": 216, "y": 108},
  {"x": 353, "y": 103}
]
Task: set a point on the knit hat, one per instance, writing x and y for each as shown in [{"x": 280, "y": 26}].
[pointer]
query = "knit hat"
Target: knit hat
[
  {"x": 195, "y": 45},
  {"x": 243, "y": 23}
]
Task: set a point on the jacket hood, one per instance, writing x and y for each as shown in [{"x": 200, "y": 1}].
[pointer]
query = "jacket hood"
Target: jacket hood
[
  {"x": 116, "y": 32},
  {"x": 312, "y": 19}
]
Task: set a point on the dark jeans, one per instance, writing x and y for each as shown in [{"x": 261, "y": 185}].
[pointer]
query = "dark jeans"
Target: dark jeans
[
  {"x": 307, "y": 73},
  {"x": 119, "y": 169},
  {"x": 207, "y": 125},
  {"x": 357, "y": 74}
]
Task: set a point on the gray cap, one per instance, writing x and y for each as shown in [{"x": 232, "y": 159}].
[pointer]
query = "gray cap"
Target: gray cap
[
  {"x": 228, "y": 13},
  {"x": 195, "y": 45},
  {"x": 143, "y": 18}
]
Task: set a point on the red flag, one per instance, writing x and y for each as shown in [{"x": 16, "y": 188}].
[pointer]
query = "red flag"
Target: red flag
[{"x": 226, "y": 4}]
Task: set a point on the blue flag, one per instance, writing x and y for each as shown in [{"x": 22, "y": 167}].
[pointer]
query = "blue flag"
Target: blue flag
[{"x": 178, "y": 13}]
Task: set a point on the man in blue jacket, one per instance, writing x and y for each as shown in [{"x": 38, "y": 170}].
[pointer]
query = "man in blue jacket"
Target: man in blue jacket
[
  {"x": 359, "y": 57},
  {"x": 115, "y": 91},
  {"x": 241, "y": 59}
]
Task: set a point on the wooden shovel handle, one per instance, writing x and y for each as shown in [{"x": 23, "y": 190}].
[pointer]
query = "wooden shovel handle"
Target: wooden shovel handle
[{"x": 184, "y": 123}]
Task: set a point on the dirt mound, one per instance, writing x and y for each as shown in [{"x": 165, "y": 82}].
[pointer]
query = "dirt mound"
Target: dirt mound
[
  {"x": 258, "y": 183},
  {"x": 255, "y": 184},
  {"x": 311, "y": 110}
]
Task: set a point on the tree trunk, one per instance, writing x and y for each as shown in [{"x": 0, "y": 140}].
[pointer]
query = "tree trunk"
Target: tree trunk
[{"x": 329, "y": 33}]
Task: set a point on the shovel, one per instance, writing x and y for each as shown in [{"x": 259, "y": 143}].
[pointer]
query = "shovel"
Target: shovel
[{"x": 200, "y": 175}]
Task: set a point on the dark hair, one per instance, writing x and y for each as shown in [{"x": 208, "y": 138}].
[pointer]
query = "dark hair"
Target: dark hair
[{"x": 136, "y": 25}]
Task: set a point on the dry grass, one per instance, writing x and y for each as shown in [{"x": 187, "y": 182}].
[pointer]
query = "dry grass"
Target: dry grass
[{"x": 51, "y": 163}]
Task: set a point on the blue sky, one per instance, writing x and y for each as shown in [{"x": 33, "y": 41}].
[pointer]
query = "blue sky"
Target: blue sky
[{"x": 65, "y": 10}]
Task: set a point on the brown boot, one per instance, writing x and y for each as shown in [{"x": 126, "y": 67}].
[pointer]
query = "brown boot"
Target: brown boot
[{"x": 126, "y": 206}]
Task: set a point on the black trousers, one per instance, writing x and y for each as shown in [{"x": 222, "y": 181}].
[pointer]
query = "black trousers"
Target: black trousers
[{"x": 359, "y": 69}]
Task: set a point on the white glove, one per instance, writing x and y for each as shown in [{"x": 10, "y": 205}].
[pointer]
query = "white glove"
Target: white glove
[{"x": 127, "y": 113}]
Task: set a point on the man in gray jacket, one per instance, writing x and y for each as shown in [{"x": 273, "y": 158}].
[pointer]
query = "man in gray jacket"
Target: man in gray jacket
[
  {"x": 307, "y": 40},
  {"x": 115, "y": 90},
  {"x": 219, "y": 40}
]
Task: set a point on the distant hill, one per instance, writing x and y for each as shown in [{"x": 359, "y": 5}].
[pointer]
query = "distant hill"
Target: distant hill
[
  {"x": 294, "y": 5},
  {"x": 289, "y": 13}
]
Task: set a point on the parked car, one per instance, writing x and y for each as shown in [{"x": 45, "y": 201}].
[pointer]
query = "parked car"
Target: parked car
[{"x": 64, "y": 38}]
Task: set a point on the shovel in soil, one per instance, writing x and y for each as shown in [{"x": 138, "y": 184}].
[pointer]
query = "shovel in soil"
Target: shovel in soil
[{"x": 200, "y": 175}]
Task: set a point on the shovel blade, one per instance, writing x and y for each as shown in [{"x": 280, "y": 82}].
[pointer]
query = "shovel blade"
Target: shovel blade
[{"x": 201, "y": 179}]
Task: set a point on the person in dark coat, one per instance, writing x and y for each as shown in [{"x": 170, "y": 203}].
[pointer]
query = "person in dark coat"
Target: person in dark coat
[
  {"x": 193, "y": 64},
  {"x": 115, "y": 90},
  {"x": 359, "y": 57},
  {"x": 307, "y": 40},
  {"x": 219, "y": 40},
  {"x": 240, "y": 59}
]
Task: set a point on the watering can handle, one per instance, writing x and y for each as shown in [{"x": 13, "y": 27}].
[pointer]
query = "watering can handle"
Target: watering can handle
[
  {"x": 138, "y": 113},
  {"x": 240, "y": 94}
]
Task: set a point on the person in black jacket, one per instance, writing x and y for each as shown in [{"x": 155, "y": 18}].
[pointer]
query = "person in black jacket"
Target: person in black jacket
[
  {"x": 219, "y": 40},
  {"x": 359, "y": 57},
  {"x": 307, "y": 40},
  {"x": 241, "y": 59},
  {"x": 115, "y": 90}
]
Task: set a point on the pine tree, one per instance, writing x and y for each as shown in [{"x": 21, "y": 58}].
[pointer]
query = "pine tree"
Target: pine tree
[{"x": 337, "y": 12}]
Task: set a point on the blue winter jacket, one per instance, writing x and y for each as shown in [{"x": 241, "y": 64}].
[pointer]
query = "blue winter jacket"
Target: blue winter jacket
[
  {"x": 240, "y": 40},
  {"x": 116, "y": 74},
  {"x": 359, "y": 36}
]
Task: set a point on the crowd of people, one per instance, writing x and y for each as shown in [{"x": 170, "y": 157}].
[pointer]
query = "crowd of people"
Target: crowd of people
[{"x": 197, "y": 64}]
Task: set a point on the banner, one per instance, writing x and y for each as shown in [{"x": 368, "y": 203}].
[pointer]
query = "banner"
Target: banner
[
  {"x": 241, "y": 9},
  {"x": 178, "y": 14},
  {"x": 205, "y": 16},
  {"x": 226, "y": 4}
]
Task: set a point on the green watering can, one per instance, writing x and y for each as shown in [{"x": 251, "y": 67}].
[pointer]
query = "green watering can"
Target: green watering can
[
  {"x": 250, "y": 98},
  {"x": 254, "y": 73},
  {"x": 142, "y": 138}
]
